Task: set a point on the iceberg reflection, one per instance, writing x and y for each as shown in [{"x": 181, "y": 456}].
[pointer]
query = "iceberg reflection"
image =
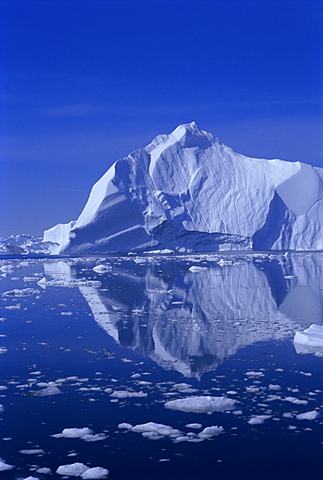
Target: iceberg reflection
[{"x": 191, "y": 320}]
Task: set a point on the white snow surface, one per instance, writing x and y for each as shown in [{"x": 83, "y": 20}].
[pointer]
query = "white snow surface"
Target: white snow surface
[
  {"x": 24, "y": 244},
  {"x": 188, "y": 192}
]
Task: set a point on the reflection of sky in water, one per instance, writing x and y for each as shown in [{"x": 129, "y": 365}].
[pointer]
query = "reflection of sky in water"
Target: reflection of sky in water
[{"x": 75, "y": 393}]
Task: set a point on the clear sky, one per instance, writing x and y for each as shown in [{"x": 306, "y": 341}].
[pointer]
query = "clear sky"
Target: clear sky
[{"x": 84, "y": 83}]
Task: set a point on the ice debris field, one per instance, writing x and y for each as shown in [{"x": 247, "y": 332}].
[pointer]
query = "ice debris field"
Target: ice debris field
[{"x": 163, "y": 361}]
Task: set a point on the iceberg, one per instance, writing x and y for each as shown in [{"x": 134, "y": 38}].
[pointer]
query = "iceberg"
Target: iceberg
[
  {"x": 187, "y": 191},
  {"x": 309, "y": 340}
]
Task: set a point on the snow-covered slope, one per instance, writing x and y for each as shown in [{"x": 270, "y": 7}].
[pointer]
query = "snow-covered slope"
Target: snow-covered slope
[
  {"x": 188, "y": 192},
  {"x": 24, "y": 244}
]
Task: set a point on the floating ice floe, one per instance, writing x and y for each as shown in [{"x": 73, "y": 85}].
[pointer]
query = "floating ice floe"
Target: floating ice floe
[
  {"x": 102, "y": 268},
  {"x": 308, "y": 415},
  {"x": 258, "y": 419},
  {"x": 274, "y": 387},
  {"x": 309, "y": 340},
  {"x": 33, "y": 451},
  {"x": 72, "y": 469},
  {"x": 156, "y": 431},
  {"x": 296, "y": 401},
  {"x": 209, "y": 432},
  {"x": 84, "y": 433},
  {"x": 80, "y": 470},
  {"x": 5, "y": 466},
  {"x": 252, "y": 374},
  {"x": 202, "y": 404},
  {"x": 44, "y": 470},
  {"x": 152, "y": 428},
  {"x": 46, "y": 392},
  {"x": 21, "y": 293},
  {"x": 127, "y": 394},
  {"x": 70, "y": 282},
  {"x": 194, "y": 425},
  {"x": 95, "y": 473}
]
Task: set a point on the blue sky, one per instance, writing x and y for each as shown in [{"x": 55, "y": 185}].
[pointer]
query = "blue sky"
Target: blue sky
[{"x": 84, "y": 83}]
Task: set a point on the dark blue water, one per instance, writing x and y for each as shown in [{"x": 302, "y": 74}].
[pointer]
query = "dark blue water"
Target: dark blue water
[{"x": 154, "y": 326}]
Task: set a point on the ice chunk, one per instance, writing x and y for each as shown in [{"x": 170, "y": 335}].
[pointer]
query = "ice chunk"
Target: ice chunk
[
  {"x": 156, "y": 428},
  {"x": 202, "y": 404},
  {"x": 44, "y": 470},
  {"x": 254, "y": 374},
  {"x": 95, "y": 473},
  {"x": 72, "y": 469},
  {"x": 296, "y": 401},
  {"x": 21, "y": 293},
  {"x": 33, "y": 451},
  {"x": 102, "y": 268},
  {"x": 76, "y": 432},
  {"x": 308, "y": 415},
  {"x": 127, "y": 426},
  {"x": 194, "y": 425},
  {"x": 258, "y": 419},
  {"x": 209, "y": 432},
  {"x": 310, "y": 340},
  {"x": 50, "y": 390},
  {"x": 84, "y": 433},
  {"x": 5, "y": 466},
  {"x": 127, "y": 394},
  {"x": 274, "y": 387}
]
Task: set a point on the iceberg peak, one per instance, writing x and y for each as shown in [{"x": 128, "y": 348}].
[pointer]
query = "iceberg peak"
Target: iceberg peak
[{"x": 192, "y": 136}]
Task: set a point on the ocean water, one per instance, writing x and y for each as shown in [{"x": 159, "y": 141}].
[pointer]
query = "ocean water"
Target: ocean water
[{"x": 94, "y": 348}]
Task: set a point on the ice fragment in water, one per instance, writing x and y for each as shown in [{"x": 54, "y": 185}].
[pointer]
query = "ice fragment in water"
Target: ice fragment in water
[
  {"x": 72, "y": 469},
  {"x": 95, "y": 473},
  {"x": 258, "y": 419},
  {"x": 308, "y": 415},
  {"x": 202, "y": 404},
  {"x": 5, "y": 466},
  {"x": 209, "y": 432},
  {"x": 310, "y": 340}
]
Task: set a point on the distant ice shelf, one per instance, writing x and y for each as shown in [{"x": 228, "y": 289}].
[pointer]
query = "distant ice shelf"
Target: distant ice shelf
[{"x": 187, "y": 192}]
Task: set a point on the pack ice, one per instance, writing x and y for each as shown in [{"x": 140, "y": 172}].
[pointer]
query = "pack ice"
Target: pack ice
[{"x": 189, "y": 192}]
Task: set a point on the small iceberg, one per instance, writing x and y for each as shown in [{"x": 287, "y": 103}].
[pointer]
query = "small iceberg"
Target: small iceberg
[{"x": 309, "y": 340}]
